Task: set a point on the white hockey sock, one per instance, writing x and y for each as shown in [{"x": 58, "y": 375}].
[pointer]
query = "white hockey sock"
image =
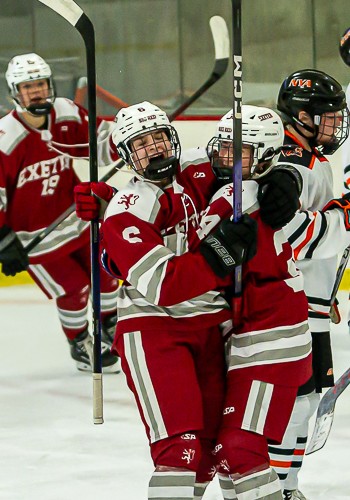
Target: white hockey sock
[
  {"x": 291, "y": 483},
  {"x": 259, "y": 485},
  {"x": 199, "y": 490},
  {"x": 171, "y": 485},
  {"x": 227, "y": 488}
]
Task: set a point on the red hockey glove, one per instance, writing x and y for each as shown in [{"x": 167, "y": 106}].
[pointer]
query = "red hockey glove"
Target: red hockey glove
[
  {"x": 91, "y": 199},
  {"x": 344, "y": 204}
]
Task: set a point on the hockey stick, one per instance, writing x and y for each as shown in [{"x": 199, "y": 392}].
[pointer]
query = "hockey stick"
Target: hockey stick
[
  {"x": 340, "y": 272},
  {"x": 221, "y": 45},
  {"x": 222, "y": 54},
  {"x": 325, "y": 414},
  {"x": 72, "y": 13},
  {"x": 237, "y": 142},
  {"x": 334, "y": 313}
]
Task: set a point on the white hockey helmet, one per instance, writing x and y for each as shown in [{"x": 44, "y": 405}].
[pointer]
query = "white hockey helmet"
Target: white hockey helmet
[
  {"x": 262, "y": 128},
  {"x": 141, "y": 119},
  {"x": 25, "y": 68}
]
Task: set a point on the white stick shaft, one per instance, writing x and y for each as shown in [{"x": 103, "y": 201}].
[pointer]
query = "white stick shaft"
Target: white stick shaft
[{"x": 65, "y": 8}]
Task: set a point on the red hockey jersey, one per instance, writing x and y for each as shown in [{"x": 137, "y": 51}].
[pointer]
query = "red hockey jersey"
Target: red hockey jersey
[
  {"x": 36, "y": 182},
  {"x": 273, "y": 337},
  {"x": 145, "y": 233}
]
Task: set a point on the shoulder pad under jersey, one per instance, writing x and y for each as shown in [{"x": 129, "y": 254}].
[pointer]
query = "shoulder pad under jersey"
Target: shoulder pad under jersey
[
  {"x": 193, "y": 156},
  {"x": 12, "y": 132},
  {"x": 66, "y": 110},
  {"x": 139, "y": 198}
]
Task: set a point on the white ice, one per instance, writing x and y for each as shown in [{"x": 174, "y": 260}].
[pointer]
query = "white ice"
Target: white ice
[{"x": 50, "y": 448}]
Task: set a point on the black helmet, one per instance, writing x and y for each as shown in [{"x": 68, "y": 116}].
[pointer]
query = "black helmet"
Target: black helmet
[
  {"x": 316, "y": 93},
  {"x": 344, "y": 47},
  {"x": 312, "y": 91}
]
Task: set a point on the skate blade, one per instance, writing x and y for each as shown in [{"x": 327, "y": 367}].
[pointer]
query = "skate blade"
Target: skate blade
[{"x": 85, "y": 367}]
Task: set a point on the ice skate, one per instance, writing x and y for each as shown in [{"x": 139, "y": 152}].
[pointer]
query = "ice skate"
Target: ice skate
[
  {"x": 293, "y": 495},
  {"x": 81, "y": 349}
]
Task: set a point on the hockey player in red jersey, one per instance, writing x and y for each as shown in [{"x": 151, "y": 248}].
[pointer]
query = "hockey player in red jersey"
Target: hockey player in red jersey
[
  {"x": 167, "y": 333},
  {"x": 316, "y": 117},
  {"x": 269, "y": 351},
  {"x": 38, "y": 141},
  {"x": 169, "y": 307}
]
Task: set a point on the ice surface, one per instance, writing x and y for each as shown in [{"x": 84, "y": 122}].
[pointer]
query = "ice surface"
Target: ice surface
[{"x": 50, "y": 448}]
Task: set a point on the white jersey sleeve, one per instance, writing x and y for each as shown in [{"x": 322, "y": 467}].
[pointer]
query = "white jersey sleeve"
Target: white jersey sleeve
[
  {"x": 345, "y": 149},
  {"x": 317, "y": 235}
]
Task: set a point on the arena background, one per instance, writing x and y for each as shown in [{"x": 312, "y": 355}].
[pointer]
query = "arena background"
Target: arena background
[{"x": 162, "y": 51}]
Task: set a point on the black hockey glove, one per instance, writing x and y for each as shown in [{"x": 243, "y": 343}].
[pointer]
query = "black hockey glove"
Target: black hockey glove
[
  {"x": 278, "y": 195},
  {"x": 344, "y": 204},
  {"x": 13, "y": 257},
  {"x": 231, "y": 244}
]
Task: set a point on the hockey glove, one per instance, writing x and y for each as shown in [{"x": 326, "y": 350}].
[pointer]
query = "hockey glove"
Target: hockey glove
[
  {"x": 231, "y": 244},
  {"x": 278, "y": 195},
  {"x": 13, "y": 257},
  {"x": 344, "y": 204},
  {"x": 91, "y": 199}
]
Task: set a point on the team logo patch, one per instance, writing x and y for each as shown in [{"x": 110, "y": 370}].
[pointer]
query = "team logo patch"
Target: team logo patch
[
  {"x": 266, "y": 116},
  {"x": 300, "y": 82},
  {"x": 292, "y": 152},
  {"x": 188, "y": 455},
  {"x": 229, "y": 191},
  {"x": 128, "y": 200}
]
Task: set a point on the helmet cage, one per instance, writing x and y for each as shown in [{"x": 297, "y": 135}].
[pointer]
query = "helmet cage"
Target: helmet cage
[
  {"x": 339, "y": 132},
  {"x": 222, "y": 172},
  {"x": 38, "y": 109},
  {"x": 160, "y": 166},
  {"x": 262, "y": 159}
]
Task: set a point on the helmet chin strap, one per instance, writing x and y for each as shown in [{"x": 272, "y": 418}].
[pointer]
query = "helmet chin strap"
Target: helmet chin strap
[
  {"x": 160, "y": 168},
  {"x": 40, "y": 109},
  {"x": 314, "y": 130}
]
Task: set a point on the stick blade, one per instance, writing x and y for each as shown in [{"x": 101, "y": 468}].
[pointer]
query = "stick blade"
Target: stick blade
[
  {"x": 65, "y": 8},
  {"x": 221, "y": 38},
  {"x": 321, "y": 432}
]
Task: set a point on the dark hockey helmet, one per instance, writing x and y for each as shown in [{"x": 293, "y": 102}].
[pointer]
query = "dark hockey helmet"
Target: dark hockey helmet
[
  {"x": 344, "y": 47},
  {"x": 316, "y": 93}
]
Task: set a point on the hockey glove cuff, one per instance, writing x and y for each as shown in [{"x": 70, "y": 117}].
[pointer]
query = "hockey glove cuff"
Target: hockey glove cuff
[
  {"x": 344, "y": 204},
  {"x": 231, "y": 244},
  {"x": 91, "y": 199},
  {"x": 13, "y": 256},
  {"x": 278, "y": 195}
]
